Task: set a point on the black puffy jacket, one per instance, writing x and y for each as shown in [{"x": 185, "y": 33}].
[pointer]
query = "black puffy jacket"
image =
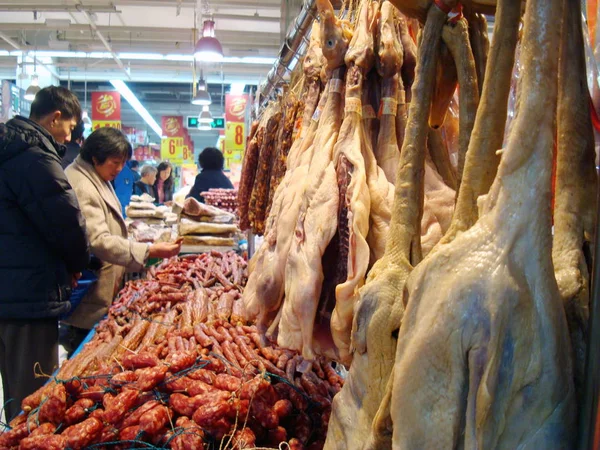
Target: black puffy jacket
[{"x": 42, "y": 231}]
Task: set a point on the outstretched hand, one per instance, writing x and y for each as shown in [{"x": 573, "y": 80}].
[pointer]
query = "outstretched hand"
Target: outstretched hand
[{"x": 165, "y": 249}]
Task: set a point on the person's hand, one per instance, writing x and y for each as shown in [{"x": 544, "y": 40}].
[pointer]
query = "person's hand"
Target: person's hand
[
  {"x": 165, "y": 249},
  {"x": 74, "y": 279},
  {"x": 169, "y": 204}
]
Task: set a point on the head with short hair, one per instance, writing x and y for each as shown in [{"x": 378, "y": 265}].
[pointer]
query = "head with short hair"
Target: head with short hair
[
  {"x": 211, "y": 158},
  {"x": 107, "y": 149},
  {"x": 148, "y": 174},
  {"x": 134, "y": 165},
  {"x": 57, "y": 110}
]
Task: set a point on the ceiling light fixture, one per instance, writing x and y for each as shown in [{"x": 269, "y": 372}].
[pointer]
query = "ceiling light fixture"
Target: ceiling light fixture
[
  {"x": 205, "y": 116},
  {"x": 33, "y": 88},
  {"x": 208, "y": 48},
  {"x": 202, "y": 96},
  {"x": 135, "y": 104}
]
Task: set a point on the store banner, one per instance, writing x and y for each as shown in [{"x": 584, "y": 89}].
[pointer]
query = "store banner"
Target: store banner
[
  {"x": 235, "y": 129},
  {"x": 173, "y": 138},
  {"x": 106, "y": 109}
]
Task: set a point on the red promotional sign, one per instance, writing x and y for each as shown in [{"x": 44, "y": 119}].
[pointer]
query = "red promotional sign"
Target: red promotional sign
[
  {"x": 106, "y": 106},
  {"x": 235, "y": 107},
  {"x": 172, "y": 126}
]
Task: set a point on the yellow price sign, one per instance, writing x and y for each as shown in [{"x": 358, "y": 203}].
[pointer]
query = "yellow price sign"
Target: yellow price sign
[
  {"x": 235, "y": 136},
  {"x": 171, "y": 148},
  {"x": 106, "y": 123},
  {"x": 187, "y": 154}
]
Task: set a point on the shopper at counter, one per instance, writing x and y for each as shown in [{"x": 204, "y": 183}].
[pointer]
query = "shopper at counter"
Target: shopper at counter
[
  {"x": 124, "y": 185},
  {"x": 42, "y": 240},
  {"x": 73, "y": 146},
  {"x": 102, "y": 157},
  {"x": 211, "y": 177},
  {"x": 163, "y": 186},
  {"x": 145, "y": 185}
]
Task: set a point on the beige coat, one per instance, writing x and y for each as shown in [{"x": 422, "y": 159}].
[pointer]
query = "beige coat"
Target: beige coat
[{"x": 107, "y": 233}]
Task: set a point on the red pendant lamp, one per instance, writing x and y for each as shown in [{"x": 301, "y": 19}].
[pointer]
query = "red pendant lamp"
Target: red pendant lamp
[{"x": 208, "y": 48}]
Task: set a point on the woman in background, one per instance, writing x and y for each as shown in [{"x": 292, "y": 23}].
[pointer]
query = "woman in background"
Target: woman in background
[
  {"x": 211, "y": 177},
  {"x": 163, "y": 186},
  {"x": 102, "y": 157}
]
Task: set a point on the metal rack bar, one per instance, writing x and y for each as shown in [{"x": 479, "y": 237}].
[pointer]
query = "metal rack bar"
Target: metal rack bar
[{"x": 293, "y": 46}]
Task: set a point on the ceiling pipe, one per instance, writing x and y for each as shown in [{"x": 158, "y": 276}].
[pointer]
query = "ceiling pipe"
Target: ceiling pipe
[
  {"x": 16, "y": 46},
  {"x": 103, "y": 40}
]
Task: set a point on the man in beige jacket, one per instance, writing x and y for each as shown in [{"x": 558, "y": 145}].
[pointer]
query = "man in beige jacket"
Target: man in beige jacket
[{"x": 102, "y": 157}]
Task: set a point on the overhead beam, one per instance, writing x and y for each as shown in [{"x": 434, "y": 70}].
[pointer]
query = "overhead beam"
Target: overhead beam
[
  {"x": 45, "y": 7},
  {"x": 16, "y": 46},
  {"x": 104, "y": 41}
]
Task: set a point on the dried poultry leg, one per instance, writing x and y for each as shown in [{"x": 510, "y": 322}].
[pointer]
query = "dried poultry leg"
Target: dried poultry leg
[
  {"x": 456, "y": 37},
  {"x": 488, "y": 132},
  {"x": 576, "y": 183}
]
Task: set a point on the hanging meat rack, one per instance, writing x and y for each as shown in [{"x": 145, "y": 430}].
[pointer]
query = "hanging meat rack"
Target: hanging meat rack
[{"x": 292, "y": 49}]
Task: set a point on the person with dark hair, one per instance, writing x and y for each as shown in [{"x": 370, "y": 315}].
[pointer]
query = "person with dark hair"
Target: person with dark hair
[
  {"x": 74, "y": 145},
  {"x": 211, "y": 177},
  {"x": 163, "y": 186},
  {"x": 102, "y": 157},
  {"x": 135, "y": 168},
  {"x": 43, "y": 241}
]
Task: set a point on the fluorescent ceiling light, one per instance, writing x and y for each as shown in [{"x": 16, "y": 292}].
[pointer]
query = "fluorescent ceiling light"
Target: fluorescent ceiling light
[
  {"x": 135, "y": 104},
  {"x": 268, "y": 61},
  {"x": 237, "y": 88}
]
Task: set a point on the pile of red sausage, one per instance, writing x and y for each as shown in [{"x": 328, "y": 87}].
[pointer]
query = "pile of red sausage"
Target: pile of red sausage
[
  {"x": 225, "y": 199},
  {"x": 180, "y": 379}
]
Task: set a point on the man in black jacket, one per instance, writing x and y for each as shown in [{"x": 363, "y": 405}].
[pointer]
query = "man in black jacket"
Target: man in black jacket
[{"x": 43, "y": 242}]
